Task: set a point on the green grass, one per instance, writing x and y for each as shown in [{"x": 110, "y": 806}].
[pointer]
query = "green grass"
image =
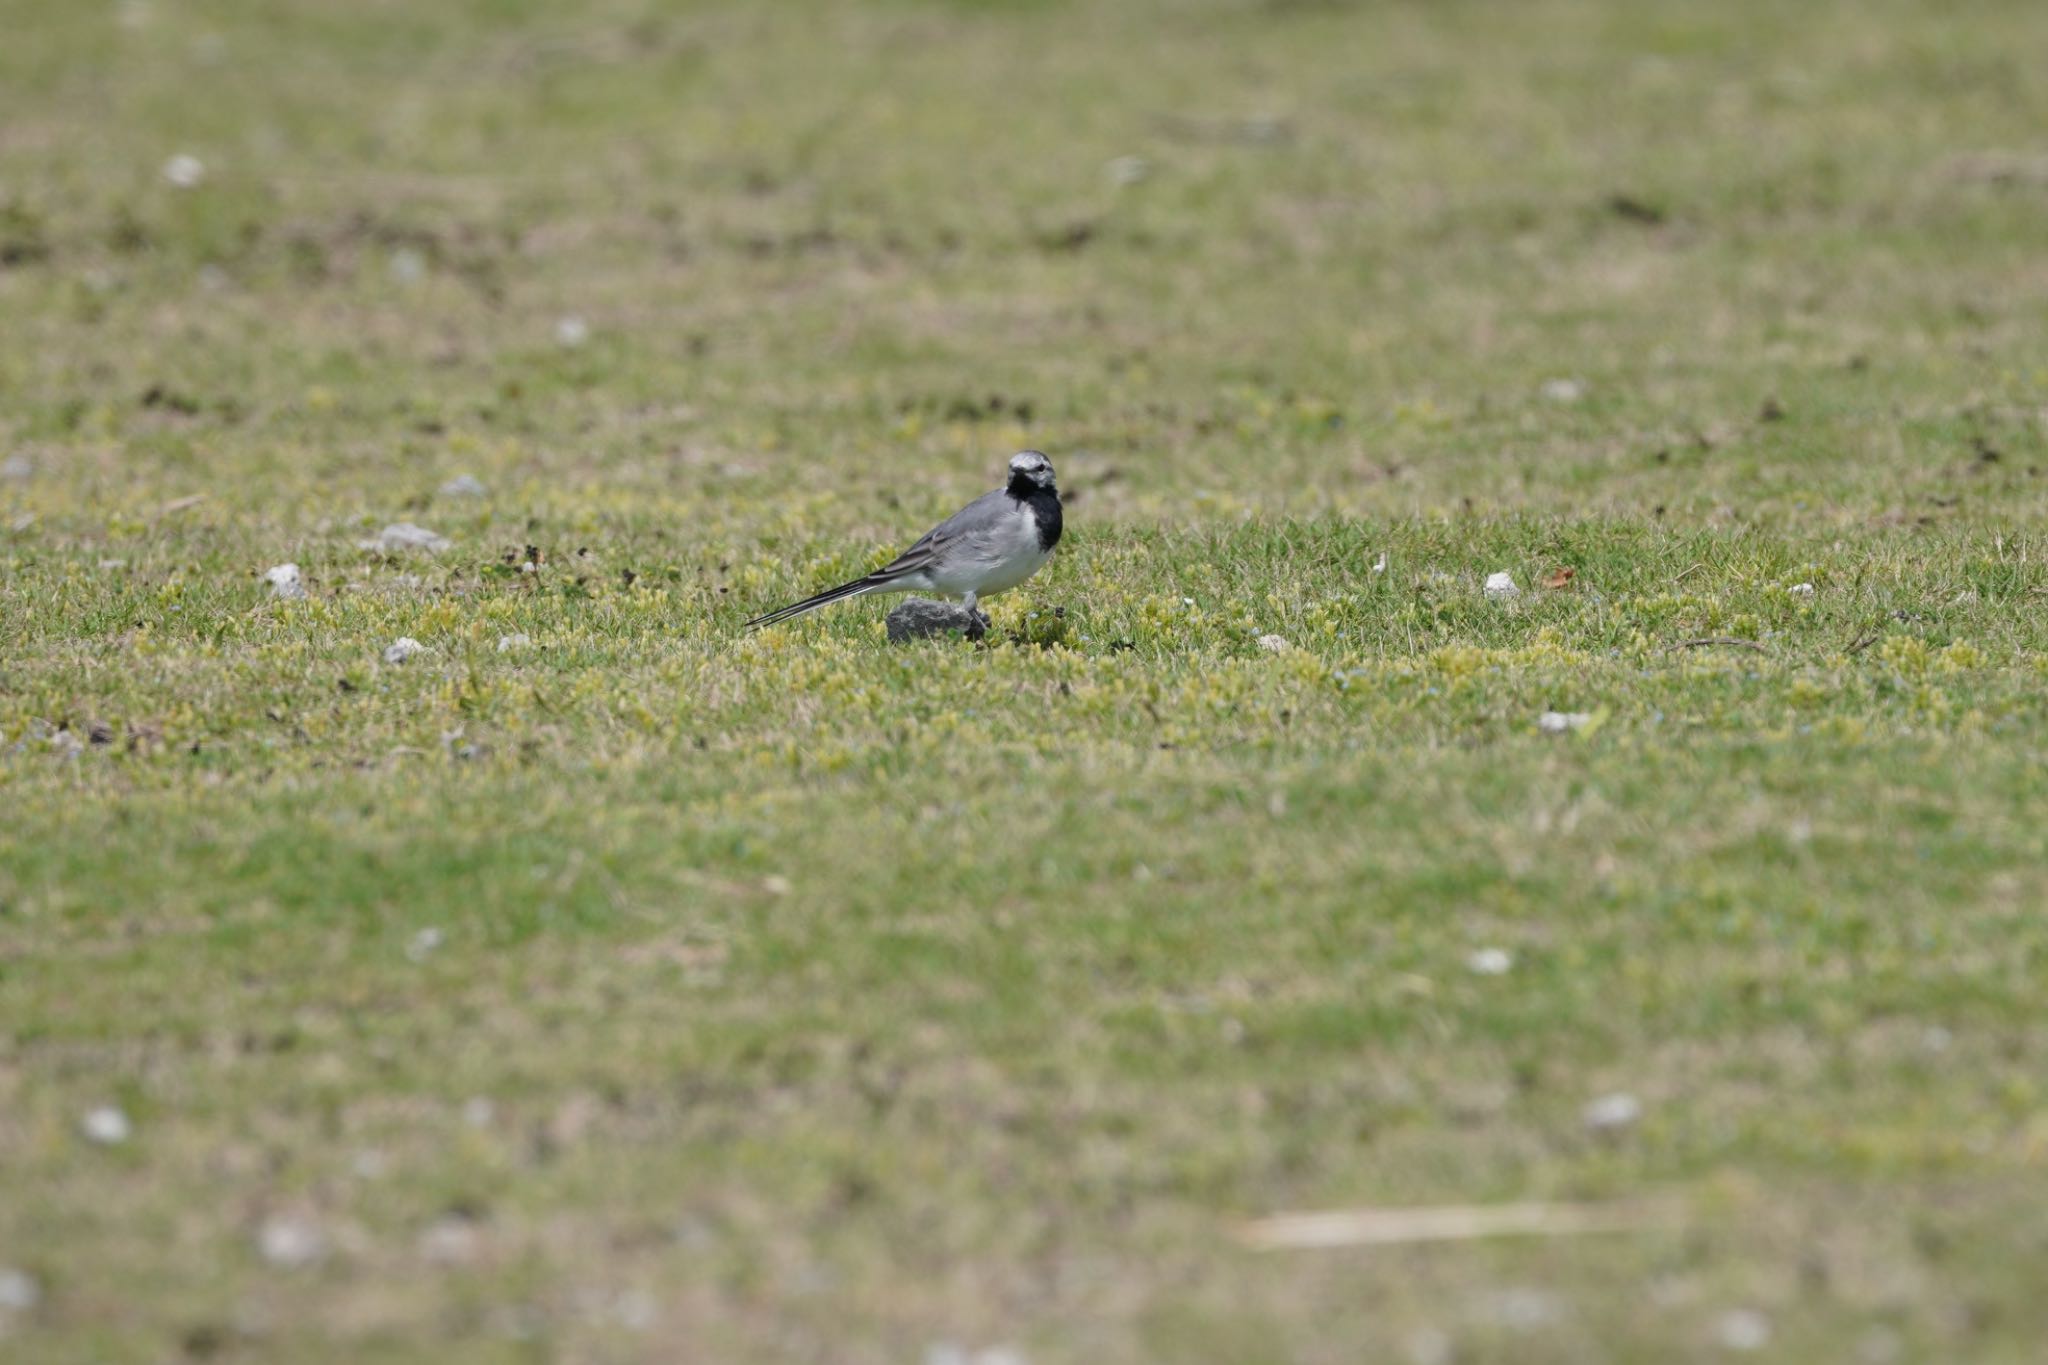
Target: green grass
[{"x": 651, "y": 991}]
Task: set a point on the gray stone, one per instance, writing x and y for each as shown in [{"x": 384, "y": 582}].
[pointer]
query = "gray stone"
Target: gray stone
[{"x": 920, "y": 616}]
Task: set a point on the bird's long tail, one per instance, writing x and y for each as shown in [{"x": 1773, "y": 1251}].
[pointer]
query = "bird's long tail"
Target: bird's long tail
[{"x": 857, "y": 588}]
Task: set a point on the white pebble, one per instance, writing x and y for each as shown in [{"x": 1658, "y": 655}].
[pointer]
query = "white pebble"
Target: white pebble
[
  {"x": 184, "y": 171},
  {"x": 408, "y": 266},
  {"x": 284, "y": 581},
  {"x": 401, "y": 649},
  {"x": 517, "y": 640},
  {"x": 1523, "y": 1309},
  {"x": 404, "y": 535},
  {"x": 1431, "y": 1346},
  {"x": 1558, "y": 722},
  {"x": 1501, "y": 587},
  {"x": 451, "y": 1241},
  {"x": 1613, "y": 1112},
  {"x": 1127, "y": 170},
  {"x": 635, "y": 1310},
  {"x": 1491, "y": 961},
  {"x": 291, "y": 1243},
  {"x": 1380, "y": 565},
  {"x": 107, "y": 1126},
  {"x": 1274, "y": 644},
  {"x": 19, "y": 1290},
  {"x": 1563, "y": 390},
  {"x": 1801, "y": 589},
  {"x": 572, "y": 331},
  {"x": 1743, "y": 1329}
]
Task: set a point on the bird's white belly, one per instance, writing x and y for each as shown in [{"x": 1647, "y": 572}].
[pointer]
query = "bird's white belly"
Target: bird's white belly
[
  {"x": 994, "y": 563},
  {"x": 1007, "y": 575}
]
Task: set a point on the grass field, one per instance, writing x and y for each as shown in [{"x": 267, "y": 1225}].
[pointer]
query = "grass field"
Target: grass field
[{"x": 604, "y": 984}]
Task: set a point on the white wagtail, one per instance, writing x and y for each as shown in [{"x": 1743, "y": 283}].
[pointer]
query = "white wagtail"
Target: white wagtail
[{"x": 989, "y": 546}]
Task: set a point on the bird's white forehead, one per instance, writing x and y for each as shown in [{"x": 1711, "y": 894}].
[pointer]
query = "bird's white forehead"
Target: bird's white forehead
[{"x": 1028, "y": 459}]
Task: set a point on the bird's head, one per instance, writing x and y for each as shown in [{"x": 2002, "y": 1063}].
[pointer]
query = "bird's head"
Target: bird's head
[{"x": 1030, "y": 470}]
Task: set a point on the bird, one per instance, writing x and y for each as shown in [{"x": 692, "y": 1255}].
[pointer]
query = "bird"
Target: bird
[{"x": 989, "y": 546}]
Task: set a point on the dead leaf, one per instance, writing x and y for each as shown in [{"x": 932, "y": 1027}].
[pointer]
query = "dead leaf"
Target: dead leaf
[{"x": 1561, "y": 578}]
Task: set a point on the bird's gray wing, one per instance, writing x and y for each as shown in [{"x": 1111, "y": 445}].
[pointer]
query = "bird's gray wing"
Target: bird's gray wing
[{"x": 977, "y": 520}]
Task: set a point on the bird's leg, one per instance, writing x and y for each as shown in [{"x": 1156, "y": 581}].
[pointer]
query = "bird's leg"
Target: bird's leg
[{"x": 968, "y": 601}]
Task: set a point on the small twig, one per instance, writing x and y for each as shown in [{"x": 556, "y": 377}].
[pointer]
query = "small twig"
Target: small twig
[
  {"x": 1688, "y": 573},
  {"x": 1706, "y": 640},
  {"x": 1864, "y": 642},
  {"x": 1453, "y": 1223}
]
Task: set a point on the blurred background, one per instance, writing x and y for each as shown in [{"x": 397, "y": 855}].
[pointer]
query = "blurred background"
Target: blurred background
[{"x": 1417, "y": 254}]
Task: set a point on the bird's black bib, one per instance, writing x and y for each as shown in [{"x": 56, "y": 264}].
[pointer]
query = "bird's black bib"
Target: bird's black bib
[{"x": 1044, "y": 506}]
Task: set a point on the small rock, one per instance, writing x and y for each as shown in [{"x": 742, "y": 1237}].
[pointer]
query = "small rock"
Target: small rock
[
  {"x": 1500, "y": 587},
  {"x": 1558, "y": 722},
  {"x": 1128, "y": 170},
  {"x": 1801, "y": 590},
  {"x": 19, "y": 1290},
  {"x": 1563, "y": 390},
  {"x": 284, "y": 581},
  {"x": 401, "y": 649},
  {"x": 464, "y": 486},
  {"x": 1491, "y": 961},
  {"x": 1743, "y": 1329},
  {"x": 1612, "y": 1113},
  {"x": 1274, "y": 644},
  {"x": 517, "y": 640},
  {"x": 404, "y": 535},
  {"x": 184, "y": 171},
  {"x": 291, "y": 1242},
  {"x": 106, "y": 1125},
  {"x": 572, "y": 332},
  {"x": 920, "y": 616}
]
